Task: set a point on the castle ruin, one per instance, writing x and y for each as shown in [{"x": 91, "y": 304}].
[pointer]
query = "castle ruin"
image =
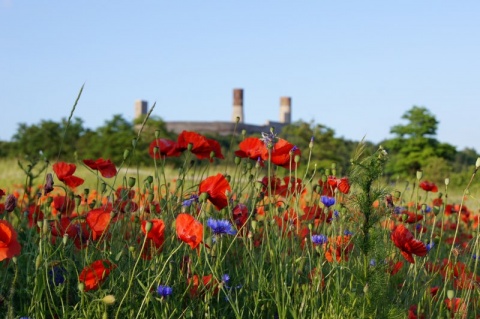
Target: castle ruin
[{"x": 223, "y": 127}]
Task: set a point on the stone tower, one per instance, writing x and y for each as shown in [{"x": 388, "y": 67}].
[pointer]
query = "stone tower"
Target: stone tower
[
  {"x": 140, "y": 108},
  {"x": 238, "y": 106},
  {"x": 285, "y": 109}
]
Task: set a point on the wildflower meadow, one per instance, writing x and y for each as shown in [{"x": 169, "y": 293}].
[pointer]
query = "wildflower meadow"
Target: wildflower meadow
[{"x": 258, "y": 232}]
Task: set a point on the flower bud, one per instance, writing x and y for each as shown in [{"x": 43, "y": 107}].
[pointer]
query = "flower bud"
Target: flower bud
[
  {"x": 450, "y": 294},
  {"x": 38, "y": 261},
  {"x": 148, "y": 226},
  {"x": 126, "y": 153},
  {"x": 131, "y": 182},
  {"x": 108, "y": 299},
  {"x": 149, "y": 179},
  {"x": 81, "y": 286},
  {"x": 189, "y": 146},
  {"x": 419, "y": 174},
  {"x": 78, "y": 200},
  {"x": 310, "y": 145},
  {"x": 447, "y": 181},
  {"x": 296, "y": 159},
  {"x": 157, "y": 133},
  {"x": 237, "y": 160},
  {"x": 48, "y": 187},
  {"x": 134, "y": 142},
  {"x": 327, "y": 172},
  {"x": 477, "y": 163},
  {"x": 10, "y": 203}
]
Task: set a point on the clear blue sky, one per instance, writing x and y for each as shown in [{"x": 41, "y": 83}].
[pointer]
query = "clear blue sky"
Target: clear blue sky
[{"x": 354, "y": 66}]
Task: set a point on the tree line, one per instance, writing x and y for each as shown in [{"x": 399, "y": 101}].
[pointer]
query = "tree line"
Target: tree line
[{"x": 413, "y": 147}]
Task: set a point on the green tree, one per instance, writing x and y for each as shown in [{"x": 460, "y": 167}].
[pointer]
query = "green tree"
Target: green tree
[
  {"x": 48, "y": 139},
  {"x": 327, "y": 149},
  {"x": 415, "y": 146}
]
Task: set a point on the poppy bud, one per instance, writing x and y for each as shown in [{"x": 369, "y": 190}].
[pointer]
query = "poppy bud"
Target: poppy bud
[
  {"x": 296, "y": 159},
  {"x": 78, "y": 200},
  {"x": 81, "y": 286},
  {"x": 324, "y": 178},
  {"x": 310, "y": 145},
  {"x": 249, "y": 166},
  {"x": 38, "y": 261},
  {"x": 244, "y": 132},
  {"x": 447, "y": 181},
  {"x": 228, "y": 178},
  {"x": 48, "y": 187},
  {"x": 131, "y": 182},
  {"x": 254, "y": 225},
  {"x": 156, "y": 150},
  {"x": 237, "y": 119},
  {"x": 126, "y": 153},
  {"x": 238, "y": 160},
  {"x": 65, "y": 239},
  {"x": 436, "y": 210},
  {"x": 86, "y": 191},
  {"x": 424, "y": 208},
  {"x": 108, "y": 300},
  {"x": 334, "y": 171},
  {"x": 450, "y": 294},
  {"x": 134, "y": 142},
  {"x": 477, "y": 163},
  {"x": 92, "y": 204},
  {"x": 419, "y": 174},
  {"x": 148, "y": 226},
  {"x": 103, "y": 187},
  {"x": 203, "y": 197},
  {"x": 151, "y": 196},
  {"x": 10, "y": 203},
  {"x": 157, "y": 133},
  {"x": 327, "y": 172},
  {"x": 404, "y": 217},
  {"x": 189, "y": 146},
  {"x": 149, "y": 179}
]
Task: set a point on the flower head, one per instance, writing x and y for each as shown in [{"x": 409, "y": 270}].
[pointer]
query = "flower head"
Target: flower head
[
  {"x": 221, "y": 227},
  {"x": 189, "y": 230},
  {"x": 428, "y": 187},
  {"x": 215, "y": 187},
  {"x": 164, "y": 291},
  {"x": 93, "y": 275},
  {"x": 319, "y": 239},
  {"x": 64, "y": 172},
  {"x": 106, "y": 168},
  {"x": 9, "y": 246},
  {"x": 269, "y": 139},
  {"x": 327, "y": 201},
  {"x": 408, "y": 245}
]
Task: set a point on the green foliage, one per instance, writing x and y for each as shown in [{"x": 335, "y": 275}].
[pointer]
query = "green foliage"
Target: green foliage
[
  {"x": 48, "y": 139},
  {"x": 415, "y": 147},
  {"x": 327, "y": 148}
]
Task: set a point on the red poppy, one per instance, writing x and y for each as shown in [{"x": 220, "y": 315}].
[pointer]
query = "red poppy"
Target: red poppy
[
  {"x": 2, "y": 193},
  {"x": 409, "y": 217},
  {"x": 34, "y": 215},
  {"x": 98, "y": 220},
  {"x": 291, "y": 186},
  {"x": 403, "y": 239},
  {"x": 283, "y": 154},
  {"x": 156, "y": 235},
  {"x": 456, "y": 305},
  {"x": 429, "y": 187},
  {"x": 105, "y": 167},
  {"x": 93, "y": 275},
  {"x": 338, "y": 248},
  {"x": 64, "y": 172},
  {"x": 200, "y": 145},
  {"x": 189, "y": 230},
  {"x": 166, "y": 148},
  {"x": 215, "y": 148},
  {"x": 207, "y": 283},
  {"x": 216, "y": 187},
  {"x": 394, "y": 268},
  {"x": 252, "y": 148},
  {"x": 9, "y": 246},
  {"x": 240, "y": 215},
  {"x": 412, "y": 313},
  {"x": 62, "y": 205}
]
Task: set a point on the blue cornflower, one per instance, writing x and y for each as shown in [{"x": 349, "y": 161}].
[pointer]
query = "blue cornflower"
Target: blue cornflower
[
  {"x": 221, "y": 226},
  {"x": 269, "y": 139},
  {"x": 327, "y": 200},
  {"x": 347, "y": 232},
  {"x": 164, "y": 291},
  {"x": 57, "y": 275},
  {"x": 319, "y": 239},
  {"x": 474, "y": 256},
  {"x": 399, "y": 209},
  {"x": 225, "y": 278},
  {"x": 430, "y": 246},
  {"x": 336, "y": 214},
  {"x": 373, "y": 262},
  {"x": 294, "y": 148},
  {"x": 190, "y": 201}
]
